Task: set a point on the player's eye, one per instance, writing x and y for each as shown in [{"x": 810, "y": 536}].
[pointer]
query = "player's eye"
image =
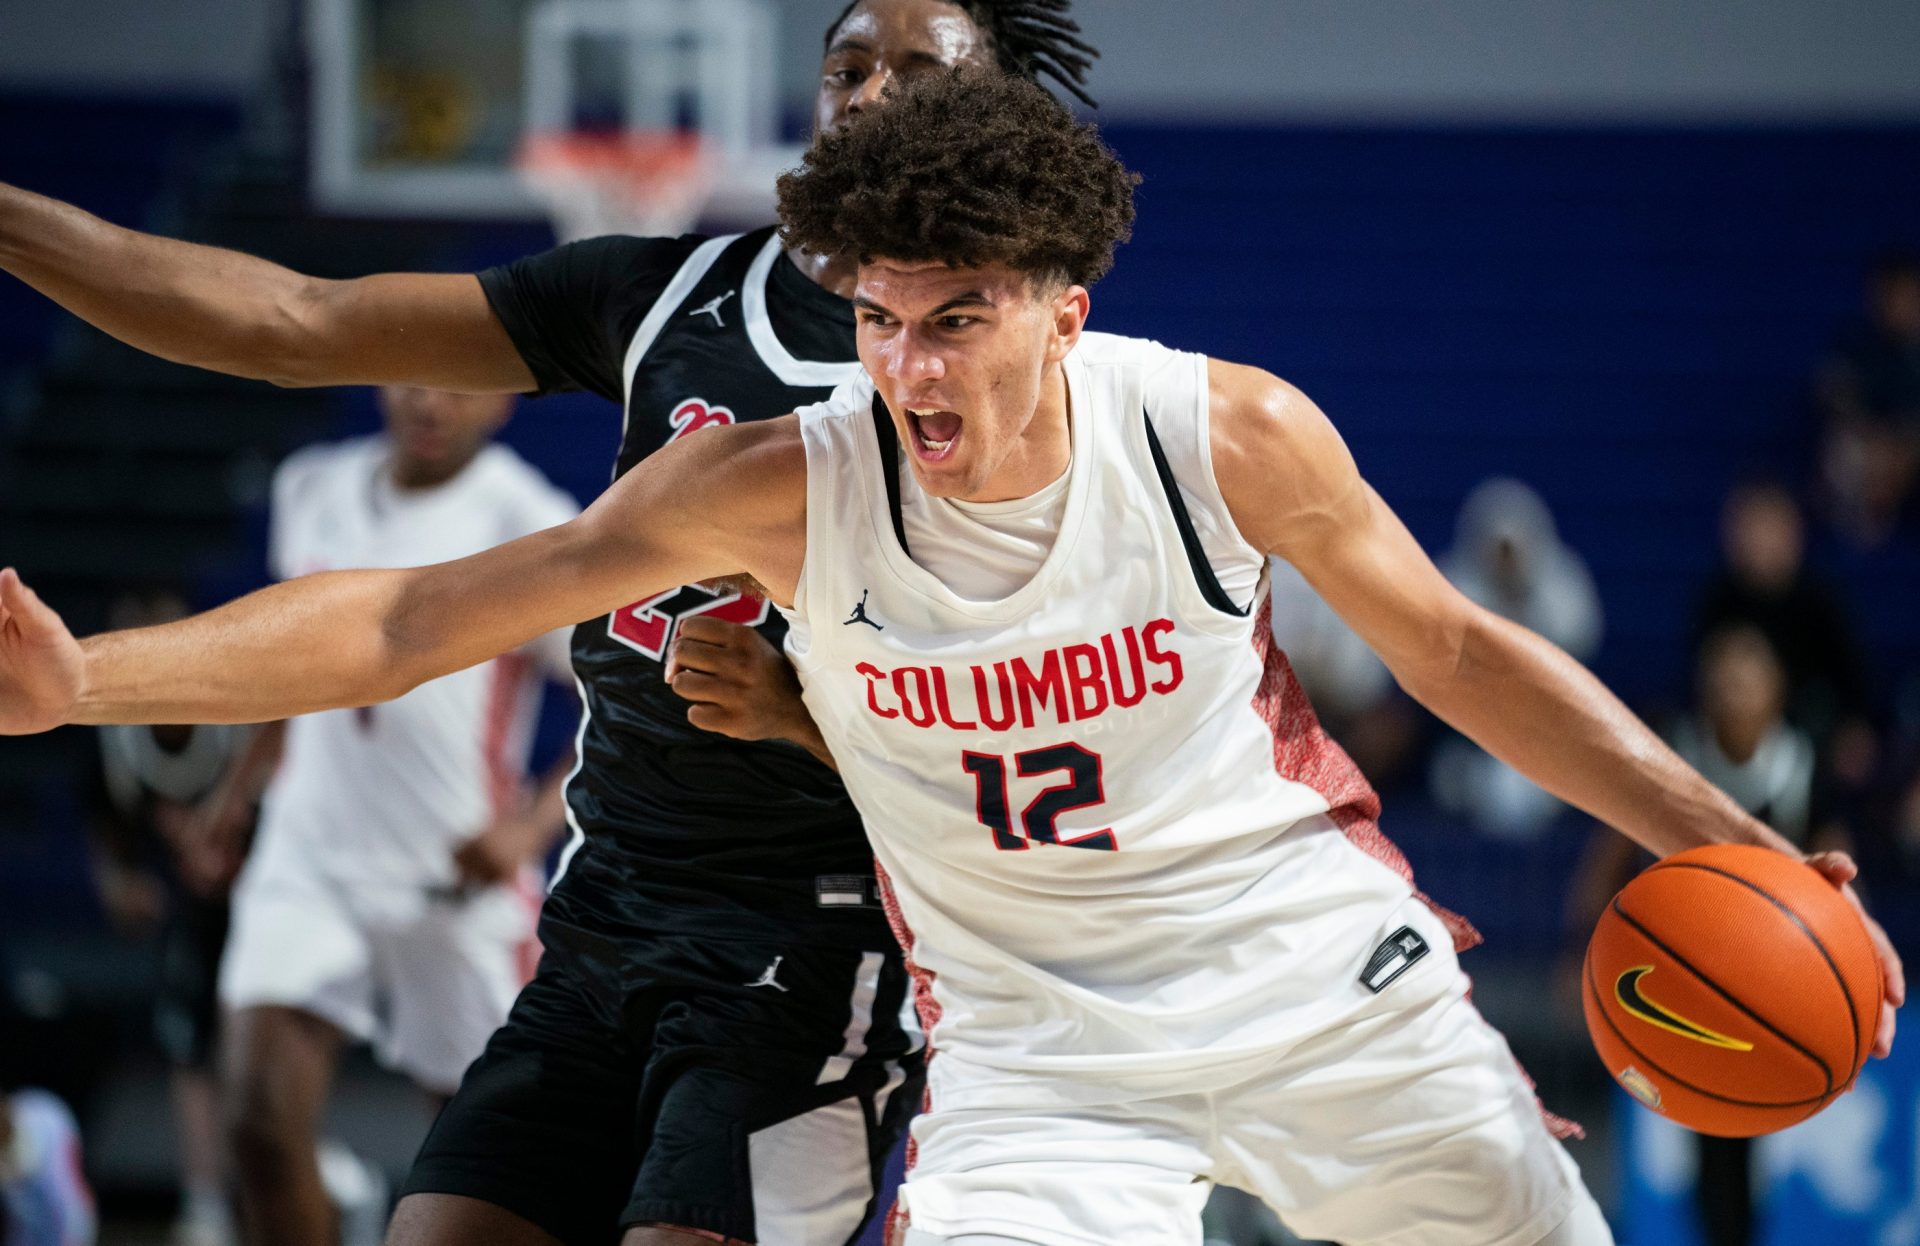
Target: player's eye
[
  {"x": 958, "y": 322},
  {"x": 846, "y": 79},
  {"x": 875, "y": 318}
]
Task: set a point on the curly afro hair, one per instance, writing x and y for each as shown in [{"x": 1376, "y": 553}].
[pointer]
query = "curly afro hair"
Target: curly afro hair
[{"x": 965, "y": 168}]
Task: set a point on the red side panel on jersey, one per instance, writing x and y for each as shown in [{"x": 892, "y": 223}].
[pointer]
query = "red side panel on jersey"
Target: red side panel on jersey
[
  {"x": 1304, "y": 753},
  {"x": 506, "y": 684},
  {"x": 928, "y": 1008}
]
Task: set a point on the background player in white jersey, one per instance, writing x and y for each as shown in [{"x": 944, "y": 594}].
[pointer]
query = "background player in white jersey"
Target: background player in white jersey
[
  {"x": 1219, "y": 984},
  {"x": 391, "y": 893}
]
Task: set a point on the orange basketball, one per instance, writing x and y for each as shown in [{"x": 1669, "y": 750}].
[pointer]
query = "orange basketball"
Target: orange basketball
[{"x": 1732, "y": 989}]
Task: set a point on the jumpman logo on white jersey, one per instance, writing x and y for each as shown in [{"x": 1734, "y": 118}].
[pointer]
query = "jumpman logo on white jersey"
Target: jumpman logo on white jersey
[
  {"x": 713, "y": 309},
  {"x": 766, "y": 976}
]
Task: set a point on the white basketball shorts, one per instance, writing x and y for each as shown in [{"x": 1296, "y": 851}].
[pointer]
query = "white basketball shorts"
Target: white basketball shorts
[
  {"x": 424, "y": 976},
  {"x": 1411, "y": 1126}
]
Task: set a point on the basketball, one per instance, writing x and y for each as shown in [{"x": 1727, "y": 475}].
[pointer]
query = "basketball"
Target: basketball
[{"x": 1732, "y": 989}]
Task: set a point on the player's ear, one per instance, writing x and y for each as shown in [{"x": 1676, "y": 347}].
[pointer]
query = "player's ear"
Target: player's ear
[{"x": 1068, "y": 310}]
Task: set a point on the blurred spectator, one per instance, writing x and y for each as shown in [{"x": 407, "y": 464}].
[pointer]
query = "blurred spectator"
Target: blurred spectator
[
  {"x": 1870, "y": 395},
  {"x": 1764, "y": 582},
  {"x": 43, "y": 1196},
  {"x": 159, "y": 874},
  {"x": 1350, "y": 687},
  {"x": 1507, "y": 556},
  {"x": 1737, "y": 736}
]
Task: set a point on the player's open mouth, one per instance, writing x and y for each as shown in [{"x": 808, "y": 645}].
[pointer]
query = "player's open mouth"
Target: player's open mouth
[{"x": 934, "y": 432}]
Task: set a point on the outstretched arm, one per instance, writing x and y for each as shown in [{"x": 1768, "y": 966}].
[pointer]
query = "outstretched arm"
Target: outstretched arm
[
  {"x": 233, "y": 313},
  {"x": 1294, "y": 491},
  {"x": 357, "y": 637}
]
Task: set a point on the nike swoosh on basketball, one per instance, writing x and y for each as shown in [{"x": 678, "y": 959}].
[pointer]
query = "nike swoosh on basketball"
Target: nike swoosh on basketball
[{"x": 1626, "y": 989}]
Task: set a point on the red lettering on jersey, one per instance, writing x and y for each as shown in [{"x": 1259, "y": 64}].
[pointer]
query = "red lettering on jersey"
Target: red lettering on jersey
[
  {"x": 1075, "y": 682},
  {"x": 648, "y": 624},
  {"x": 1042, "y": 688},
  {"x": 1003, "y": 718},
  {"x": 1083, "y": 680},
  {"x": 874, "y": 675},
  {"x": 1116, "y": 681},
  {"x": 920, "y": 700},
  {"x": 1168, "y": 658},
  {"x": 693, "y": 415},
  {"x": 946, "y": 710}
]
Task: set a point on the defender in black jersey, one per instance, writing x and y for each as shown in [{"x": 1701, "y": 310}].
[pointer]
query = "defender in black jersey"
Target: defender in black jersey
[{"x": 719, "y": 1044}]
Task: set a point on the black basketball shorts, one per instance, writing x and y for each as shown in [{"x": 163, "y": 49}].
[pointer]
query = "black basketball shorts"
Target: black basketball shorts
[{"x": 743, "y": 1089}]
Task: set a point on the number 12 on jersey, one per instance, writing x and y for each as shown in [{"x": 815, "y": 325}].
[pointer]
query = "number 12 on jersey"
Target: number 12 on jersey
[{"x": 1082, "y": 789}]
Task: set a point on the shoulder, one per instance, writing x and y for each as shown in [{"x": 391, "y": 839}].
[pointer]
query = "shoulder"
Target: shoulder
[
  {"x": 1277, "y": 453},
  {"x": 728, "y": 472},
  {"x": 850, "y": 399},
  {"x": 593, "y": 261},
  {"x": 1112, "y": 350}
]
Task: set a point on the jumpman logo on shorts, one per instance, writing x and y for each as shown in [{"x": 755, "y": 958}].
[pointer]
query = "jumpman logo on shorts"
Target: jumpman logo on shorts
[
  {"x": 713, "y": 309},
  {"x": 766, "y": 977},
  {"x": 859, "y": 615}
]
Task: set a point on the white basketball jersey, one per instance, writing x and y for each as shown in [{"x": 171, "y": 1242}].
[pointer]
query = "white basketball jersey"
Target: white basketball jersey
[
  {"x": 383, "y": 793},
  {"x": 1111, "y": 826}
]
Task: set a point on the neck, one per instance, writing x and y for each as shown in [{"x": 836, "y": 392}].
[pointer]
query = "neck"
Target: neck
[
  {"x": 1043, "y": 449},
  {"x": 411, "y": 474},
  {"x": 834, "y": 275},
  {"x": 1739, "y": 741}
]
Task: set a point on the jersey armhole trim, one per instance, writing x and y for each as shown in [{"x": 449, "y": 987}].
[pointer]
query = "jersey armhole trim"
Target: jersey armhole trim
[
  {"x": 890, "y": 468},
  {"x": 664, "y": 306},
  {"x": 1209, "y": 583}
]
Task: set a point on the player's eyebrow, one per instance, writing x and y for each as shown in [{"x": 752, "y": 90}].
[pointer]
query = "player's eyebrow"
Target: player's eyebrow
[
  {"x": 851, "y": 43},
  {"x": 972, "y": 298}
]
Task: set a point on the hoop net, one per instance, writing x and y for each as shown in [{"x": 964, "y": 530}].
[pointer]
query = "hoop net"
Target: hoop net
[{"x": 647, "y": 183}]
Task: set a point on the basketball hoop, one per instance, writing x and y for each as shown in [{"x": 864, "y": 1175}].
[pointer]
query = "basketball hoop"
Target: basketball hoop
[{"x": 648, "y": 183}]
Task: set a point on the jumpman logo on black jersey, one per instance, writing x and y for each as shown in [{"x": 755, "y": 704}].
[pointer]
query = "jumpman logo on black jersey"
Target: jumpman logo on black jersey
[
  {"x": 713, "y": 309},
  {"x": 766, "y": 977},
  {"x": 859, "y": 615}
]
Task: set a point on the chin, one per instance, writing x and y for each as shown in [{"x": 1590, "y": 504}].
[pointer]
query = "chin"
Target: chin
[{"x": 943, "y": 484}]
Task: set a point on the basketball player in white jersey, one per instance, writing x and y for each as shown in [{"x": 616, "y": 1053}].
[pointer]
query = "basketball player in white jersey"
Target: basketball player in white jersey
[
  {"x": 1157, "y": 940},
  {"x": 391, "y": 892}
]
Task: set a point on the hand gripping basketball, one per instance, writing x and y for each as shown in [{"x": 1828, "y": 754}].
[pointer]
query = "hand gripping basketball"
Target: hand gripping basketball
[
  {"x": 1838, "y": 868},
  {"x": 1738, "y": 990},
  {"x": 41, "y": 666}
]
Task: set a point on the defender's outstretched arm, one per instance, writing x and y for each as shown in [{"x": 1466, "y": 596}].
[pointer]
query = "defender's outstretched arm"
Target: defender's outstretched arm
[
  {"x": 727, "y": 501},
  {"x": 233, "y": 313}
]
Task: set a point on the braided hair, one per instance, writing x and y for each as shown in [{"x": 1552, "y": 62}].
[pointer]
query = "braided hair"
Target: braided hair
[{"x": 1029, "y": 37}]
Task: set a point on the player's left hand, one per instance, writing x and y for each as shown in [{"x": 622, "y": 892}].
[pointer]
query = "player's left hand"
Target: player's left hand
[
  {"x": 1838, "y": 868},
  {"x": 740, "y": 685},
  {"x": 41, "y": 667}
]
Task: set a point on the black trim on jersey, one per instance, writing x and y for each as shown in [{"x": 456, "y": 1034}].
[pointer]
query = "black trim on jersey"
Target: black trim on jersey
[
  {"x": 890, "y": 467},
  {"x": 1196, "y": 552}
]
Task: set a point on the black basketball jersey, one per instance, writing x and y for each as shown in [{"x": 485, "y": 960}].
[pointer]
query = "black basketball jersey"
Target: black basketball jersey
[{"x": 679, "y": 828}]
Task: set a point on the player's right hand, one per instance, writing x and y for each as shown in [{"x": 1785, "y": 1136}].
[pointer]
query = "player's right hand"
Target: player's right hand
[{"x": 41, "y": 667}]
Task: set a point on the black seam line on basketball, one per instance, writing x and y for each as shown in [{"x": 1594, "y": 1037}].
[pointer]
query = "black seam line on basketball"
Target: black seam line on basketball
[
  {"x": 1203, "y": 575},
  {"x": 1825, "y": 1071},
  {"x": 1853, "y": 1014},
  {"x": 1594, "y": 986}
]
